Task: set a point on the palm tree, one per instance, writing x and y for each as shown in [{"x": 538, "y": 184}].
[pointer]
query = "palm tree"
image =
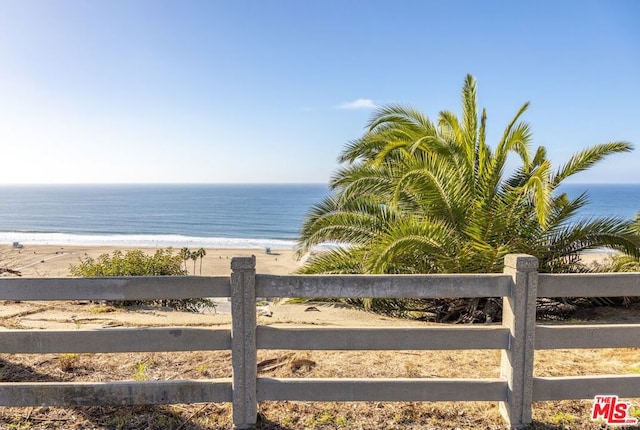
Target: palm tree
[
  {"x": 185, "y": 254},
  {"x": 622, "y": 263},
  {"x": 194, "y": 257},
  {"x": 201, "y": 253},
  {"x": 414, "y": 196}
]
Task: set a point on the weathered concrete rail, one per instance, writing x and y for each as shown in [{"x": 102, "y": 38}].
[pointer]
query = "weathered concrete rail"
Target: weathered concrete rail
[{"x": 518, "y": 337}]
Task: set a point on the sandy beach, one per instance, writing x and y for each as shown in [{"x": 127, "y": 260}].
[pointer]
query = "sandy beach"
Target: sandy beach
[{"x": 53, "y": 261}]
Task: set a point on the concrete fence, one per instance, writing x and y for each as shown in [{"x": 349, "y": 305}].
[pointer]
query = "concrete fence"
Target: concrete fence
[{"x": 518, "y": 337}]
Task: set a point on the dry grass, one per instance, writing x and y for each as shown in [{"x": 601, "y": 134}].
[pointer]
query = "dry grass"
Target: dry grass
[
  {"x": 298, "y": 415},
  {"x": 301, "y": 364}
]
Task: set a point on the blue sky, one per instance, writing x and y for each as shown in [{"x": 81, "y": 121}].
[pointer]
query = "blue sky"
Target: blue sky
[{"x": 270, "y": 91}]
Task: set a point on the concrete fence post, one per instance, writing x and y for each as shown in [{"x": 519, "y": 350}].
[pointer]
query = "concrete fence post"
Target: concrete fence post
[
  {"x": 243, "y": 341},
  {"x": 519, "y": 315}
]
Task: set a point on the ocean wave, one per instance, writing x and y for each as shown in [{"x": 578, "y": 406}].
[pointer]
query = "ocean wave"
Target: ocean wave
[{"x": 141, "y": 240}]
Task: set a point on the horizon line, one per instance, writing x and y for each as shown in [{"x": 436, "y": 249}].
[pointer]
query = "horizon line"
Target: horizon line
[
  {"x": 157, "y": 183},
  {"x": 240, "y": 183}
]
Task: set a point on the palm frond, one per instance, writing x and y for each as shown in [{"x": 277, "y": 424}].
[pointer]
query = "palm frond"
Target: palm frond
[
  {"x": 484, "y": 152},
  {"x": 363, "y": 148},
  {"x": 398, "y": 115},
  {"x": 337, "y": 261},
  {"x": 422, "y": 246},
  {"x": 450, "y": 126},
  {"x": 354, "y": 181},
  {"x": 332, "y": 222},
  {"x": 609, "y": 232},
  {"x": 508, "y": 130},
  {"x": 470, "y": 117},
  {"x": 563, "y": 210},
  {"x": 540, "y": 185},
  {"x": 517, "y": 140},
  {"x": 588, "y": 157},
  {"x": 431, "y": 144},
  {"x": 540, "y": 156},
  {"x": 440, "y": 197}
]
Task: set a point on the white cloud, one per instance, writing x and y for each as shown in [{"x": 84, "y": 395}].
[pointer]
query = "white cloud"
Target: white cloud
[{"x": 358, "y": 104}]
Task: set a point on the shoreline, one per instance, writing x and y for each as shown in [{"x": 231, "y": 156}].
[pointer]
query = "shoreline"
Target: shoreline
[{"x": 122, "y": 240}]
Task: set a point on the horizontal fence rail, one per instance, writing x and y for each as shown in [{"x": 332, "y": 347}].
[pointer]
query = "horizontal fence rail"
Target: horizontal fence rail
[
  {"x": 114, "y": 393},
  {"x": 396, "y": 338},
  {"x": 114, "y": 340},
  {"x": 518, "y": 337},
  {"x": 381, "y": 390},
  {"x": 589, "y": 285},
  {"x": 116, "y": 288},
  {"x": 587, "y": 336},
  {"x": 584, "y": 387},
  {"x": 383, "y": 286}
]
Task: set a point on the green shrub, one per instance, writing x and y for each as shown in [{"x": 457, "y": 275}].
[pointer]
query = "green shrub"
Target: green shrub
[{"x": 137, "y": 263}]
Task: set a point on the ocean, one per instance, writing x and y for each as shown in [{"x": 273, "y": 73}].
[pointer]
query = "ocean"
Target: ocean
[
  {"x": 213, "y": 216},
  {"x": 210, "y": 216}
]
